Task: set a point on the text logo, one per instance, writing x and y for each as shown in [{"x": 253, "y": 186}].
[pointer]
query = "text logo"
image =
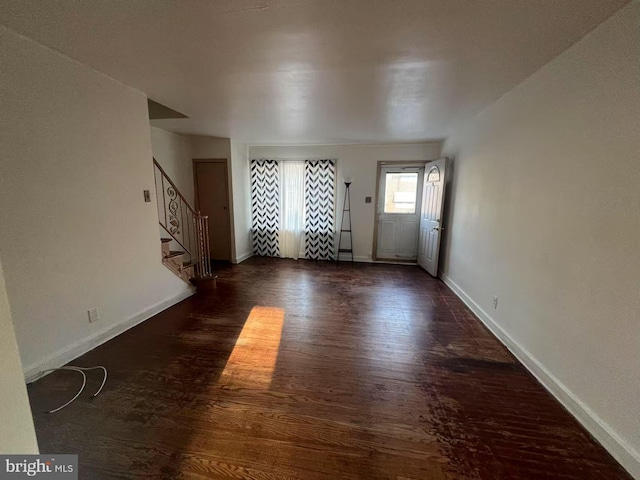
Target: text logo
[{"x": 52, "y": 467}]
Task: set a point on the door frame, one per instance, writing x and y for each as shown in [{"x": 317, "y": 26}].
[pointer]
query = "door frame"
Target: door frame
[
  {"x": 376, "y": 206},
  {"x": 196, "y": 197}
]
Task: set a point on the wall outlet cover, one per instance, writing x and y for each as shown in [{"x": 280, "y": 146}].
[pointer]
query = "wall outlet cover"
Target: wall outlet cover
[{"x": 94, "y": 314}]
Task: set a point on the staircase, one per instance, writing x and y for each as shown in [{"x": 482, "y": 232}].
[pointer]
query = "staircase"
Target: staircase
[{"x": 184, "y": 233}]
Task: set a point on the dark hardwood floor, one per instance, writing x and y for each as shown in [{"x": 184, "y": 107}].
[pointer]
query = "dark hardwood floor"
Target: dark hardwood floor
[{"x": 308, "y": 370}]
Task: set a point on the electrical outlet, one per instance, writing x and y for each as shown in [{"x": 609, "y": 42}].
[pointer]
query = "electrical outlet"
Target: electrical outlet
[
  {"x": 495, "y": 303},
  {"x": 94, "y": 314}
]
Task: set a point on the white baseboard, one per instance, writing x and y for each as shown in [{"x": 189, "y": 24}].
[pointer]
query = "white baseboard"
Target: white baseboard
[
  {"x": 367, "y": 259},
  {"x": 355, "y": 259},
  {"x": 243, "y": 257},
  {"x": 345, "y": 257},
  {"x": 64, "y": 356},
  {"x": 391, "y": 262},
  {"x": 619, "y": 448}
]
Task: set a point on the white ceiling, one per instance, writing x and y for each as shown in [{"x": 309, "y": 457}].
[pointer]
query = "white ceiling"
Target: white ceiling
[{"x": 313, "y": 71}]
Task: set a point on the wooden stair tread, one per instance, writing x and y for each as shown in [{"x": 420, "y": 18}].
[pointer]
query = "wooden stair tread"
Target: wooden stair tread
[
  {"x": 165, "y": 240},
  {"x": 174, "y": 254}
]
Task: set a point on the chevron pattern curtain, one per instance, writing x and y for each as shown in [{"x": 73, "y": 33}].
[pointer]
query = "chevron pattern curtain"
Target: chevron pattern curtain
[
  {"x": 265, "y": 207},
  {"x": 320, "y": 209}
]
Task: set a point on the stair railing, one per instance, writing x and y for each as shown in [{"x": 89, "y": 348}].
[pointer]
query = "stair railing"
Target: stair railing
[{"x": 188, "y": 227}]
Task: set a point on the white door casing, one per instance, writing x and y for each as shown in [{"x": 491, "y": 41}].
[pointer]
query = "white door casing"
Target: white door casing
[
  {"x": 431, "y": 215},
  {"x": 399, "y": 212}
]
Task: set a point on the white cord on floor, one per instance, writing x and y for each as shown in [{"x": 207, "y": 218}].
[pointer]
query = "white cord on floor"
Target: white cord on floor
[{"x": 81, "y": 371}]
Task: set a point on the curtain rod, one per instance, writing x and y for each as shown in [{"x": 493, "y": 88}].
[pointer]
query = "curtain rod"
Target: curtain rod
[{"x": 280, "y": 159}]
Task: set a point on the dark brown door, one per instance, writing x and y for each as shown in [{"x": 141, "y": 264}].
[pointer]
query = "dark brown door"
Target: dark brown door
[{"x": 212, "y": 199}]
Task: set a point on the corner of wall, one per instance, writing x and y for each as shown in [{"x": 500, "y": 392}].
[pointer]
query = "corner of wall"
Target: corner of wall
[
  {"x": 89, "y": 157},
  {"x": 243, "y": 257},
  {"x": 620, "y": 449},
  {"x": 241, "y": 200},
  {"x": 525, "y": 222},
  {"x": 18, "y": 432}
]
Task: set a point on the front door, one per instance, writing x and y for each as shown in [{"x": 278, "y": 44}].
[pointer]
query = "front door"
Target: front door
[
  {"x": 212, "y": 199},
  {"x": 431, "y": 217},
  {"x": 399, "y": 200}
]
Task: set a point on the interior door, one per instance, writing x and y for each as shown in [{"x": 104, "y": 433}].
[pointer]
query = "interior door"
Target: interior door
[
  {"x": 431, "y": 215},
  {"x": 212, "y": 199},
  {"x": 399, "y": 199}
]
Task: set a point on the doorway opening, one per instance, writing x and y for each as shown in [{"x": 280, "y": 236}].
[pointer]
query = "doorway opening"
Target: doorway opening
[
  {"x": 408, "y": 223},
  {"x": 213, "y": 198},
  {"x": 398, "y": 206}
]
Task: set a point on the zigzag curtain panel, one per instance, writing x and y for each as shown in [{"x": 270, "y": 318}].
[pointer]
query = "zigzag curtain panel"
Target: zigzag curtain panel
[
  {"x": 293, "y": 208},
  {"x": 320, "y": 209},
  {"x": 265, "y": 207}
]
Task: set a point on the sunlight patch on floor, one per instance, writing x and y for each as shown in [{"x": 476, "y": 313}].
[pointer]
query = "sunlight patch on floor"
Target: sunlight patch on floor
[{"x": 253, "y": 359}]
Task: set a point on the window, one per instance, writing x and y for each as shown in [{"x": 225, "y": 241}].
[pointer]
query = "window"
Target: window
[
  {"x": 292, "y": 211},
  {"x": 401, "y": 190},
  {"x": 292, "y": 205}
]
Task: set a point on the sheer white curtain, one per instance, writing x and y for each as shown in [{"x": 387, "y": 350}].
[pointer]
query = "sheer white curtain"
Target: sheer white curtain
[{"x": 291, "y": 233}]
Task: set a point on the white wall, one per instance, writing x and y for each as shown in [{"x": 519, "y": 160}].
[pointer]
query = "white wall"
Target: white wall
[
  {"x": 75, "y": 155},
  {"x": 205, "y": 147},
  {"x": 546, "y": 215},
  {"x": 359, "y": 162},
  {"x": 18, "y": 433},
  {"x": 241, "y": 200},
  {"x": 174, "y": 153}
]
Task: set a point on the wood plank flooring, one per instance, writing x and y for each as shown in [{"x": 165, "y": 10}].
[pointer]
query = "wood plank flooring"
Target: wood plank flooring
[{"x": 308, "y": 370}]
